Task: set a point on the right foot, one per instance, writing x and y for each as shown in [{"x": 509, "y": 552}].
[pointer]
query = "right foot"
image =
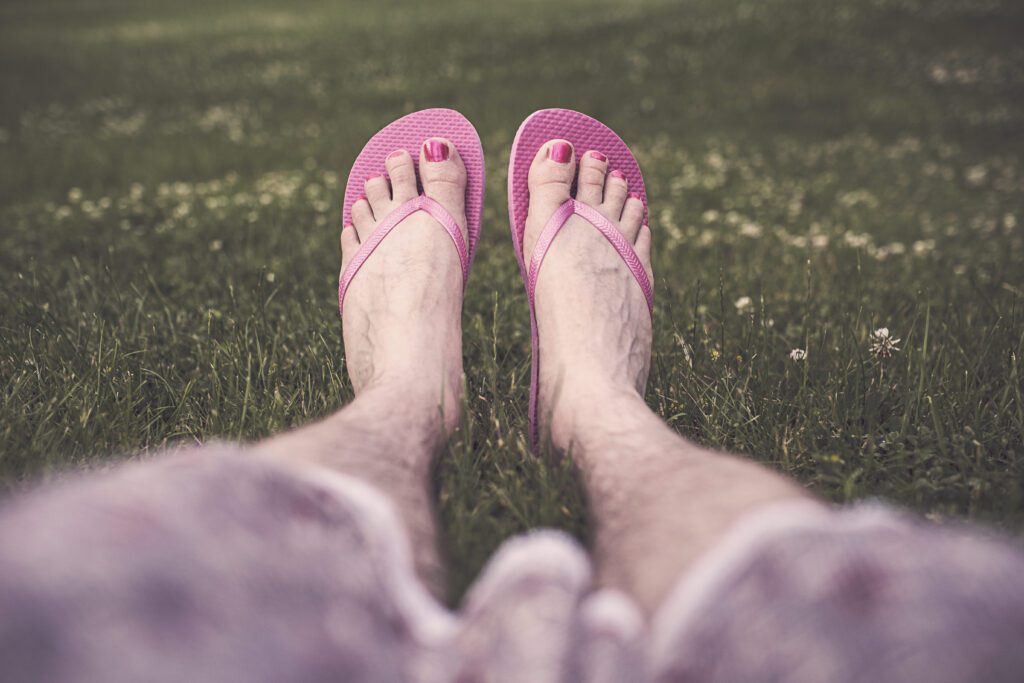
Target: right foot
[
  {"x": 402, "y": 312},
  {"x": 592, "y": 317}
]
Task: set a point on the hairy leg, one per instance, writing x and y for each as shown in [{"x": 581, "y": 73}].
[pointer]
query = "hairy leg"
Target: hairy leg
[
  {"x": 657, "y": 500},
  {"x": 388, "y": 439},
  {"x": 403, "y": 350}
]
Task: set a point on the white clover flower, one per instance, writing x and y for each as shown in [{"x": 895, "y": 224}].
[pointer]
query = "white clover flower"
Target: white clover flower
[
  {"x": 923, "y": 247},
  {"x": 976, "y": 175},
  {"x": 743, "y": 304},
  {"x": 797, "y": 355},
  {"x": 751, "y": 229},
  {"x": 74, "y": 195},
  {"x": 882, "y": 344},
  {"x": 855, "y": 240}
]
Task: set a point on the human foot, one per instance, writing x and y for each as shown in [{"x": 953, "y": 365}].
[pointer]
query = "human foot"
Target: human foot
[
  {"x": 401, "y": 316},
  {"x": 592, "y": 317}
]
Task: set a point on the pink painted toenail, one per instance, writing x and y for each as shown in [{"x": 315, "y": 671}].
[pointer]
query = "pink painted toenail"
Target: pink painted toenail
[
  {"x": 435, "y": 150},
  {"x": 634, "y": 195},
  {"x": 374, "y": 176},
  {"x": 397, "y": 153},
  {"x": 560, "y": 152},
  {"x": 598, "y": 156},
  {"x": 618, "y": 174}
]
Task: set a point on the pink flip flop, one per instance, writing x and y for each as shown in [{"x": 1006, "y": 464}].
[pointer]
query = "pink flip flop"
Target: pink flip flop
[
  {"x": 409, "y": 133},
  {"x": 585, "y": 133}
]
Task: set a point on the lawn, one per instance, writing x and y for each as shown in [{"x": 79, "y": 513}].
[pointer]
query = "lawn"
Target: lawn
[{"x": 170, "y": 179}]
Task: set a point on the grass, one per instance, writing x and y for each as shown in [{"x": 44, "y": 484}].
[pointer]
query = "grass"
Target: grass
[{"x": 170, "y": 200}]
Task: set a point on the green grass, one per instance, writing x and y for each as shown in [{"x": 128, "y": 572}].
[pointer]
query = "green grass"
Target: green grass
[{"x": 169, "y": 209}]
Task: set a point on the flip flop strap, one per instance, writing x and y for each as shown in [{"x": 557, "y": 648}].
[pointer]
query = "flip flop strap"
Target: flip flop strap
[
  {"x": 420, "y": 203},
  {"x": 605, "y": 227}
]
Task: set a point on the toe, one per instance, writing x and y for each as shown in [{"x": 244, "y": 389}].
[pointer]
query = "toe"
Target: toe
[
  {"x": 378, "y": 193},
  {"x": 552, "y": 172},
  {"x": 550, "y": 183},
  {"x": 402, "y": 174},
  {"x": 349, "y": 244},
  {"x": 590, "y": 188},
  {"x": 615, "y": 189},
  {"x": 444, "y": 177},
  {"x": 632, "y": 216},
  {"x": 362, "y": 218}
]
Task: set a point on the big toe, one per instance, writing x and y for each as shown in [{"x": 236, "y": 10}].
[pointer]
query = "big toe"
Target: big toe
[
  {"x": 550, "y": 182},
  {"x": 444, "y": 177}
]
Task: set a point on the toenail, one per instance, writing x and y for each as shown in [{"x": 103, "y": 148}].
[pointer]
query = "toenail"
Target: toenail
[
  {"x": 560, "y": 152},
  {"x": 397, "y": 153},
  {"x": 618, "y": 174},
  {"x": 598, "y": 156},
  {"x": 435, "y": 150},
  {"x": 374, "y": 176},
  {"x": 634, "y": 195},
  {"x": 361, "y": 197}
]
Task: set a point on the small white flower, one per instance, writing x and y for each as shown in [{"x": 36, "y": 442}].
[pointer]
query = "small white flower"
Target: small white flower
[
  {"x": 976, "y": 175},
  {"x": 751, "y": 229},
  {"x": 922, "y": 247},
  {"x": 797, "y": 355},
  {"x": 882, "y": 344},
  {"x": 743, "y": 304}
]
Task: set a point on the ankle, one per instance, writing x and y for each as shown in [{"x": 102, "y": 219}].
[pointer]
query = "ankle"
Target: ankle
[
  {"x": 582, "y": 414},
  {"x": 432, "y": 400}
]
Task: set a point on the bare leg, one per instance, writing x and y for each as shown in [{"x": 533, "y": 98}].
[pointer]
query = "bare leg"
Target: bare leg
[
  {"x": 403, "y": 350},
  {"x": 657, "y": 501}
]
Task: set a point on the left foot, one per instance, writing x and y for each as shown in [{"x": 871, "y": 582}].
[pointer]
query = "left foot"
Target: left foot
[{"x": 402, "y": 312}]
